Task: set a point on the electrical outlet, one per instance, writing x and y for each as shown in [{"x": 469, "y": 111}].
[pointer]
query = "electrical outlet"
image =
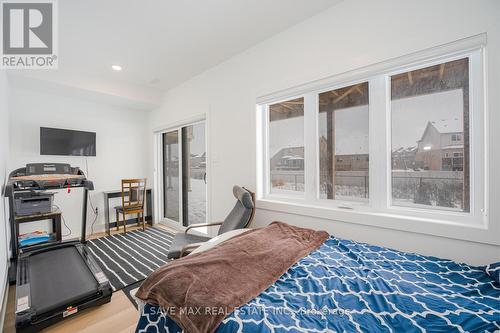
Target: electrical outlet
[{"x": 96, "y": 211}]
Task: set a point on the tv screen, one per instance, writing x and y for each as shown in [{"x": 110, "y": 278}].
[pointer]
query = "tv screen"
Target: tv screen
[{"x": 57, "y": 141}]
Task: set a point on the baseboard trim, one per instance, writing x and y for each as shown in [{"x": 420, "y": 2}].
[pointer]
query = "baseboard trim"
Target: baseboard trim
[
  {"x": 5, "y": 296},
  {"x": 131, "y": 221}
]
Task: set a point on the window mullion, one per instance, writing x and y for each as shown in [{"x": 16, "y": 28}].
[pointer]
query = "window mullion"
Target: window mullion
[
  {"x": 262, "y": 161},
  {"x": 311, "y": 146},
  {"x": 478, "y": 140},
  {"x": 379, "y": 147}
]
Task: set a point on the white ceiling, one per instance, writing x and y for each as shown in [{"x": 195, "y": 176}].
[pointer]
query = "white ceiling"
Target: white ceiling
[{"x": 160, "y": 43}]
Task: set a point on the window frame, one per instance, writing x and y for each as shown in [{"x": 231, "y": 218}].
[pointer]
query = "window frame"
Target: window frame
[
  {"x": 267, "y": 155},
  {"x": 379, "y": 202},
  {"x": 477, "y": 126},
  {"x": 334, "y": 202}
]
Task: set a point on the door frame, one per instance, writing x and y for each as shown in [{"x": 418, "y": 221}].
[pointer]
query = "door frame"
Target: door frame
[{"x": 158, "y": 168}]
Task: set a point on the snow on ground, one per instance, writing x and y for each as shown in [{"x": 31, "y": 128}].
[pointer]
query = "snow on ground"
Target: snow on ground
[{"x": 196, "y": 201}]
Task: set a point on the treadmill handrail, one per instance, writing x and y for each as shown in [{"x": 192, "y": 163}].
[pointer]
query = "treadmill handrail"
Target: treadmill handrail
[{"x": 44, "y": 248}]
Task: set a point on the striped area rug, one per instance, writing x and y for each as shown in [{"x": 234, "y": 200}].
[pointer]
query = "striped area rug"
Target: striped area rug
[{"x": 131, "y": 257}]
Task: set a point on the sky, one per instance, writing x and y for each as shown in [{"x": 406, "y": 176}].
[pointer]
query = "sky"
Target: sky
[
  {"x": 409, "y": 119},
  {"x": 351, "y": 131},
  {"x": 198, "y": 144},
  {"x": 411, "y": 115}
]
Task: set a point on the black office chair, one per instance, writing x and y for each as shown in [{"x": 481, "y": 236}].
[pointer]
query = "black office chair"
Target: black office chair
[{"x": 240, "y": 217}]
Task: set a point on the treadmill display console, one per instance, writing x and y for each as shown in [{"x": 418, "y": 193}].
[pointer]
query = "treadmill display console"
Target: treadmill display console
[
  {"x": 42, "y": 176},
  {"x": 49, "y": 168}
]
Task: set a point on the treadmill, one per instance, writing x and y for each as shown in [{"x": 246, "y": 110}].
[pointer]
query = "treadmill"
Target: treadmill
[{"x": 58, "y": 280}]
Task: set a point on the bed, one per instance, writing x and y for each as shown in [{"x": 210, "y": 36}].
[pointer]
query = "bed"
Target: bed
[{"x": 346, "y": 286}]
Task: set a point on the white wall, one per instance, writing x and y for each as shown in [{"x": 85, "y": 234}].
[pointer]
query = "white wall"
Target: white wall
[
  {"x": 121, "y": 139},
  {"x": 350, "y": 35},
  {"x": 4, "y": 152}
]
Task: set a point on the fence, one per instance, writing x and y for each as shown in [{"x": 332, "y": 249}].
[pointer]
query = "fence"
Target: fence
[
  {"x": 288, "y": 180},
  {"x": 436, "y": 188}
]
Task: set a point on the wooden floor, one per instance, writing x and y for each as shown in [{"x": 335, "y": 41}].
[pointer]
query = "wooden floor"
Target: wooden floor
[{"x": 118, "y": 316}]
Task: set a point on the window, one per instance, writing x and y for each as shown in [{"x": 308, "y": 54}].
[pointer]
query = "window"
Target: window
[
  {"x": 402, "y": 141},
  {"x": 286, "y": 146},
  {"x": 343, "y": 135},
  {"x": 430, "y": 115}
]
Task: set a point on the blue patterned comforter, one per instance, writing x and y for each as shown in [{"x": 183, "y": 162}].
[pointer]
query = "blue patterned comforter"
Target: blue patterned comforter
[{"x": 345, "y": 286}]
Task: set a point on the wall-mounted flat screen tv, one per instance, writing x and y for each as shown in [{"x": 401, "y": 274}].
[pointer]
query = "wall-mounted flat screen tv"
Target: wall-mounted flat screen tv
[{"x": 57, "y": 141}]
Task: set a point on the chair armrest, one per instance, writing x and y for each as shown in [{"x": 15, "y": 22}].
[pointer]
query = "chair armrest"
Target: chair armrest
[
  {"x": 201, "y": 225},
  {"x": 188, "y": 247}
]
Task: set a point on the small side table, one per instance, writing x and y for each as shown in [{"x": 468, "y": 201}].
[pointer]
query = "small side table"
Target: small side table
[{"x": 55, "y": 216}]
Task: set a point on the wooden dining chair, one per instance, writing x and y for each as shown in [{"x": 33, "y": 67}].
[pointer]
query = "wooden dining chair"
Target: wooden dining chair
[{"x": 133, "y": 197}]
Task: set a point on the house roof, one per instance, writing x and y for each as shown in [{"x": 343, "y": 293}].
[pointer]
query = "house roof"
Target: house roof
[
  {"x": 452, "y": 125},
  {"x": 405, "y": 149},
  {"x": 290, "y": 153},
  {"x": 289, "y": 157}
]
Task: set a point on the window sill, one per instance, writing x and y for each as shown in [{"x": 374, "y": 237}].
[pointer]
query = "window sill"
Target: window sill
[{"x": 390, "y": 219}]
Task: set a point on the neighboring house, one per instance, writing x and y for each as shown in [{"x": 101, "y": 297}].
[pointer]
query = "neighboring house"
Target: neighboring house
[
  {"x": 405, "y": 159},
  {"x": 198, "y": 161},
  {"x": 350, "y": 155},
  {"x": 291, "y": 158},
  {"x": 441, "y": 146},
  {"x": 357, "y": 162},
  {"x": 347, "y": 158}
]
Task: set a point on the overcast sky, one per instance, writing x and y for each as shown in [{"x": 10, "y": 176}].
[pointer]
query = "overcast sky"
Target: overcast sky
[
  {"x": 198, "y": 145},
  {"x": 409, "y": 118},
  {"x": 286, "y": 133},
  {"x": 411, "y": 115},
  {"x": 351, "y": 131}
]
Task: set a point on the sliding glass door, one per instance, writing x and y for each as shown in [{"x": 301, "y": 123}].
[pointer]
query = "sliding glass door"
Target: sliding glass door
[
  {"x": 194, "y": 174},
  {"x": 184, "y": 174}
]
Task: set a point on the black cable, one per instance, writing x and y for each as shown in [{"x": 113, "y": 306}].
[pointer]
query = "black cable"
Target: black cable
[
  {"x": 64, "y": 221},
  {"x": 90, "y": 201}
]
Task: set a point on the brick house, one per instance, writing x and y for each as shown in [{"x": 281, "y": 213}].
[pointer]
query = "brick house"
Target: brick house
[{"x": 442, "y": 145}]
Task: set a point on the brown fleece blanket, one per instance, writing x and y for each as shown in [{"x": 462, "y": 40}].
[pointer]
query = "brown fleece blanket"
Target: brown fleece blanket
[{"x": 199, "y": 290}]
